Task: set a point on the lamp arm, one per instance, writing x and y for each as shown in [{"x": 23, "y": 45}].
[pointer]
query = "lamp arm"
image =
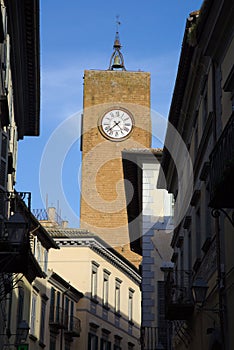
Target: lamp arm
[{"x": 216, "y": 213}]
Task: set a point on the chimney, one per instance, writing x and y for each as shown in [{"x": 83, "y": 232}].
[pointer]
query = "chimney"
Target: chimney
[
  {"x": 51, "y": 214},
  {"x": 64, "y": 224}
]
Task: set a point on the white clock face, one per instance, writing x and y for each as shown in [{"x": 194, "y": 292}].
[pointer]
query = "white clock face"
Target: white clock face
[{"x": 116, "y": 124}]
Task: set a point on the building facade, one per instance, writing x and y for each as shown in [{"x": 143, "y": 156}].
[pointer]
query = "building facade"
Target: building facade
[
  {"x": 109, "y": 310},
  {"x": 202, "y": 112},
  {"x": 19, "y": 117},
  {"x": 150, "y": 215}
]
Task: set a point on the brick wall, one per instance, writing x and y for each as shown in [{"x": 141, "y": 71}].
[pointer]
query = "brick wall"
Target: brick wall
[{"x": 103, "y": 202}]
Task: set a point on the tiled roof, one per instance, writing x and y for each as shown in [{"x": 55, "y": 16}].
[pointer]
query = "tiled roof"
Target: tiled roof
[{"x": 69, "y": 232}]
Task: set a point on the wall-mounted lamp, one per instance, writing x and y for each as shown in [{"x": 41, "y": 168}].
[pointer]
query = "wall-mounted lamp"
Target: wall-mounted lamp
[
  {"x": 22, "y": 331},
  {"x": 16, "y": 228},
  {"x": 199, "y": 290}
]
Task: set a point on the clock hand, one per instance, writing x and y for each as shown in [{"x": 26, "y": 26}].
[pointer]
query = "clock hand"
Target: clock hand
[
  {"x": 116, "y": 123},
  {"x": 111, "y": 127}
]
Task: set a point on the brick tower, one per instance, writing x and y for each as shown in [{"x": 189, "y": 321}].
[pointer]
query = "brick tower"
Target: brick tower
[{"x": 116, "y": 116}]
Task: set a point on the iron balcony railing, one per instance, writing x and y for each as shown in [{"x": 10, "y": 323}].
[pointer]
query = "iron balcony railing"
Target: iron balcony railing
[
  {"x": 178, "y": 295},
  {"x": 222, "y": 168},
  {"x": 73, "y": 326},
  {"x": 58, "y": 318},
  {"x": 155, "y": 338},
  {"x": 43, "y": 215}
]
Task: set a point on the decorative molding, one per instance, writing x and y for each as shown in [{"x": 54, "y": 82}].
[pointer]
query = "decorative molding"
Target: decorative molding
[{"x": 103, "y": 251}]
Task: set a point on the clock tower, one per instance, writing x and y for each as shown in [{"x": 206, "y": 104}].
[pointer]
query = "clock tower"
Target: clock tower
[{"x": 116, "y": 117}]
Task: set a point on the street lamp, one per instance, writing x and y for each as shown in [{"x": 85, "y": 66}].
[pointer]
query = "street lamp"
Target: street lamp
[
  {"x": 21, "y": 336},
  {"x": 16, "y": 228},
  {"x": 22, "y": 331},
  {"x": 15, "y": 240},
  {"x": 199, "y": 290}
]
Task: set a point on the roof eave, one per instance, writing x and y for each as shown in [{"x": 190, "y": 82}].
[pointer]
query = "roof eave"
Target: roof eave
[{"x": 23, "y": 20}]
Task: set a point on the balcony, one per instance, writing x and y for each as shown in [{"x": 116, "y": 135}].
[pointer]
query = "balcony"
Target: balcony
[
  {"x": 73, "y": 328},
  {"x": 155, "y": 338},
  {"x": 178, "y": 295},
  {"x": 58, "y": 318},
  {"x": 222, "y": 169}
]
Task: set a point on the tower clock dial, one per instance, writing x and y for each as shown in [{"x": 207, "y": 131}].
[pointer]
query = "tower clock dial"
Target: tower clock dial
[{"x": 116, "y": 124}]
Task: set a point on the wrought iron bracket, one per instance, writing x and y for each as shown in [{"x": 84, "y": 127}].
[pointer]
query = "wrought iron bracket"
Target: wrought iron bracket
[{"x": 216, "y": 213}]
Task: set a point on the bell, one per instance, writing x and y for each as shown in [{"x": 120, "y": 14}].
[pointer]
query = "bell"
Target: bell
[{"x": 117, "y": 62}]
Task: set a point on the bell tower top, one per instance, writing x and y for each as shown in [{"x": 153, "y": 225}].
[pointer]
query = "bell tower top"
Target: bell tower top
[{"x": 117, "y": 60}]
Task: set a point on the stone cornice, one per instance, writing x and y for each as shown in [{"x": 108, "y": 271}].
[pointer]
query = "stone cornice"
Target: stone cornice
[{"x": 105, "y": 252}]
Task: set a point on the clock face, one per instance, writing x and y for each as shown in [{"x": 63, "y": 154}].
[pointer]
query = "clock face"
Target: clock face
[{"x": 116, "y": 124}]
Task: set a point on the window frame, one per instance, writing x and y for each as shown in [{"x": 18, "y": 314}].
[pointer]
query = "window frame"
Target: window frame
[
  {"x": 94, "y": 280},
  {"x": 105, "y": 294},
  {"x": 117, "y": 296}
]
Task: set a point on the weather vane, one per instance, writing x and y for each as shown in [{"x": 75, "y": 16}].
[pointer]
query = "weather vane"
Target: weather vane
[{"x": 117, "y": 23}]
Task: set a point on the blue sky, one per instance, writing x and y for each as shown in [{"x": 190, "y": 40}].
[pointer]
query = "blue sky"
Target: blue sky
[{"x": 78, "y": 35}]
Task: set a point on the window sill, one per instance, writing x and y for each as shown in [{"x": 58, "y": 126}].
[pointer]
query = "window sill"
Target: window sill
[
  {"x": 94, "y": 300},
  {"x": 106, "y": 307},
  {"x": 41, "y": 344},
  {"x": 32, "y": 337}
]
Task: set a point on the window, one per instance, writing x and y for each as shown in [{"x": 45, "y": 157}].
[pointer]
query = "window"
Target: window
[
  {"x": 130, "y": 346},
  {"x": 208, "y": 213},
  {"x": 39, "y": 252},
  {"x": 67, "y": 345},
  {"x": 189, "y": 251},
  {"x": 45, "y": 260},
  {"x": 117, "y": 344},
  {"x": 130, "y": 304},
  {"x": 33, "y": 313},
  {"x": 198, "y": 233},
  {"x": 3, "y": 159},
  {"x": 71, "y": 316},
  {"x": 196, "y": 139},
  {"x": 58, "y": 307},
  {"x": 117, "y": 295},
  {"x": 55, "y": 311},
  {"x": 105, "y": 344},
  {"x": 66, "y": 311},
  {"x": 94, "y": 280},
  {"x": 92, "y": 342},
  {"x": 42, "y": 323},
  {"x": 52, "y": 343},
  {"x": 20, "y": 305},
  {"x": 204, "y": 109},
  {"x": 106, "y": 275},
  {"x": 52, "y": 304}
]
